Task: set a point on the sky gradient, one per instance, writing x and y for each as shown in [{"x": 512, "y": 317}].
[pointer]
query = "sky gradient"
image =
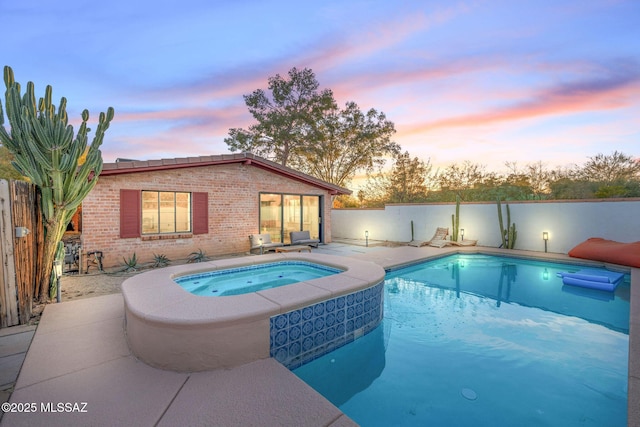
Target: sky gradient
[{"x": 485, "y": 81}]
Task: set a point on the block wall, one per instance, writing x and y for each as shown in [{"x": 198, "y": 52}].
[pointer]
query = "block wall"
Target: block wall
[{"x": 568, "y": 222}]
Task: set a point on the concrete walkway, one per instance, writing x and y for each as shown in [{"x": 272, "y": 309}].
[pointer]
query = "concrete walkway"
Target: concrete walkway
[
  {"x": 79, "y": 371},
  {"x": 14, "y": 343},
  {"x": 79, "y": 362}
]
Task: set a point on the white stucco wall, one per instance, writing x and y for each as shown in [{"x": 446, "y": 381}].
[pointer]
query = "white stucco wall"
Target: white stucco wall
[{"x": 568, "y": 222}]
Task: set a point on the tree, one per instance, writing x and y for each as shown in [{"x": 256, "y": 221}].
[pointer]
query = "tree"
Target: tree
[
  {"x": 346, "y": 201},
  {"x": 345, "y": 142},
  {"x": 469, "y": 181},
  {"x": 614, "y": 168},
  {"x": 283, "y": 120},
  {"x": 466, "y": 176},
  {"x": 301, "y": 126},
  {"x": 567, "y": 188},
  {"x": 602, "y": 176},
  {"x": 373, "y": 193},
  {"x": 534, "y": 179},
  {"x": 63, "y": 168},
  {"x": 408, "y": 180}
]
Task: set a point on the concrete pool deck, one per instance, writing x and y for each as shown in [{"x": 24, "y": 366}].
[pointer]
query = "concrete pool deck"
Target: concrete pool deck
[{"x": 79, "y": 355}]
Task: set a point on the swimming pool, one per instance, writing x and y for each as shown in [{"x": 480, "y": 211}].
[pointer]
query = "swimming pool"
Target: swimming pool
[
  {"x": 484, "y": 340},
  {"x": 253, "y": 278}
]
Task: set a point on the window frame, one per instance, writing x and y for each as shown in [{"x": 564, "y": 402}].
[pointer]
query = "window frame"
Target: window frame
[{"x": 162, "y": 214}]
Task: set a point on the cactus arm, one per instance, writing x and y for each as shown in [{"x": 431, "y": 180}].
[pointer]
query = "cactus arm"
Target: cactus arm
[
  {"x": 511, "y": 230},
  {"x": 457, "y": 217},
  {"x": 453, "y": 227},
  {"x": 412, "y": 230},
  {"x": 455, "y": 221},
  {"x": 501, "y": 224}
]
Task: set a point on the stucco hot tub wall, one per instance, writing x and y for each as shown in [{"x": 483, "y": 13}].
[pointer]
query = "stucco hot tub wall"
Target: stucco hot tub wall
[{"x": 170, "y": 328}]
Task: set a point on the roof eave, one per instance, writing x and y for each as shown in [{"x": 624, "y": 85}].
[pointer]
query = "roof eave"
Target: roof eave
[{"x": 120, "y": 168}]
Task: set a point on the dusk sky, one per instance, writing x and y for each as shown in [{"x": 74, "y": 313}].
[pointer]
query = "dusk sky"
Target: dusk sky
[{"x": 484, "y": 81}]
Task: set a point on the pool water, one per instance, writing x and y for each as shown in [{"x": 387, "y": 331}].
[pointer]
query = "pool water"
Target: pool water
[
  {"x": 253, "y": 278},
  {"x": 474, "y": 340}
]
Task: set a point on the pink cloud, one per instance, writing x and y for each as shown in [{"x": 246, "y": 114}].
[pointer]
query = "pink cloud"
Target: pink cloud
[
  {"x": 380, "y": 38},
  {"x": 598, "y": 94},
  {"x": 323, "y": 56}
]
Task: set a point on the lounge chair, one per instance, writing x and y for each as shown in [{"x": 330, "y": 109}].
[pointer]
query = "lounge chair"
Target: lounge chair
[
  {"x": 263, "y": 242},
  {"x": 303, "y": 238},
  {"x": 438, "y": 240}
]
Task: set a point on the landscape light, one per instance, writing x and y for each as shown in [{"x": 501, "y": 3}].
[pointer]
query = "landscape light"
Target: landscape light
[
  {"x": 57, "y": 271},
  {"x": 545, "y": 237},
  {"x": 366, "y": 238}
]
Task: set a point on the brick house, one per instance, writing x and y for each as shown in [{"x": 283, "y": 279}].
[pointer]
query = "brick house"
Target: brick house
[{"x": 211, "y": 203}]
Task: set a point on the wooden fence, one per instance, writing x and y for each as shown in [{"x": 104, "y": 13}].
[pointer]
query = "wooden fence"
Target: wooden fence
[{"x": 19, "y": 201}]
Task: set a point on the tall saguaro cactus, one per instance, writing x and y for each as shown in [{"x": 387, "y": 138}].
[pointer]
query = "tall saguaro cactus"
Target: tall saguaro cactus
[
  {"x": 455, "y": 221},
  {"x": 65, "y": 168},
  {"x": 510, "y": 233}
]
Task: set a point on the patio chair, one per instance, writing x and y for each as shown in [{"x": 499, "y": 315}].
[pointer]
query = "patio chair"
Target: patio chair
[
  {"x": 303, "y": 238},
  {"x": 263, "y": 242},
  {"x": 438, "y": 240}
]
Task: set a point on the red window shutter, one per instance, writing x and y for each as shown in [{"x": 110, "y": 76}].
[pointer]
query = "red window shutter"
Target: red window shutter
[
  {"x": 130, "y": 214},
  {"x": 200, "y": 213}
]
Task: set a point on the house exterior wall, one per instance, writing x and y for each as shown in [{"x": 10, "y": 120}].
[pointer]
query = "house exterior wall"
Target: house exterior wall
[
  {"x": 233, "y": 193},
  {"x": 568, "y": 222}
]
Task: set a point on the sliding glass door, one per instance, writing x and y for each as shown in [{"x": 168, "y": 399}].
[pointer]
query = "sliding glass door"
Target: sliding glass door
[
  {"x": 311, "y": 215},
  {"x": 271, "y": 216},
  {"x": 291, "y": 213},
  {"x": 280, "y": 214}
]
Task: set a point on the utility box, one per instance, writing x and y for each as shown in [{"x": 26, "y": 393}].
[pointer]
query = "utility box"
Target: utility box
[{"x": 22, "y": 231}]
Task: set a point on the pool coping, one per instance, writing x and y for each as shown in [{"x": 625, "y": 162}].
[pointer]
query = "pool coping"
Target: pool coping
[{"x": 170, "y": 328}]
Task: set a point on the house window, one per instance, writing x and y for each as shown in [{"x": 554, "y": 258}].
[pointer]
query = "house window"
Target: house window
[
  {"x": 166, "y": 212},
  {"x": 155, "y": 212}
]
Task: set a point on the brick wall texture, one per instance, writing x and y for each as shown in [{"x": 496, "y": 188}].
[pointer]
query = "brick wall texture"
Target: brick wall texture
[{"x": 233, "y": 190}]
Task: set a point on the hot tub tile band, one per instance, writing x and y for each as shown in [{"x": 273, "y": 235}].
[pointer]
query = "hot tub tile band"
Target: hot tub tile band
[{"x": 302, "y": 335}]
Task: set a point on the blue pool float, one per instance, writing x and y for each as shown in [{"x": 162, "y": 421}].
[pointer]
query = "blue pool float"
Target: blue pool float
[{"x": 603, "y": 280}]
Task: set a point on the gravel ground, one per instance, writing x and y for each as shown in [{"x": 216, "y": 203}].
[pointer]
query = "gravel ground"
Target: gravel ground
[
  {"x": 76, "y": 286},
  {"x": 96, "y": 283}
]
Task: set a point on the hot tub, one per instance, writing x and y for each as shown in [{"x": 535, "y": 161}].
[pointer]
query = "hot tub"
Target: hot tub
[
  {"x": 253, "y": 278},
  {"x": 170, "y": 328}
]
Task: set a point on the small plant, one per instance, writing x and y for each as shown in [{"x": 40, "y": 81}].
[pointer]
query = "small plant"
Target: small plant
[
  {"x": 198, "y": 256},
  {"x": 160, "y": 261},
  {"x": 131, "y": 263}
]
